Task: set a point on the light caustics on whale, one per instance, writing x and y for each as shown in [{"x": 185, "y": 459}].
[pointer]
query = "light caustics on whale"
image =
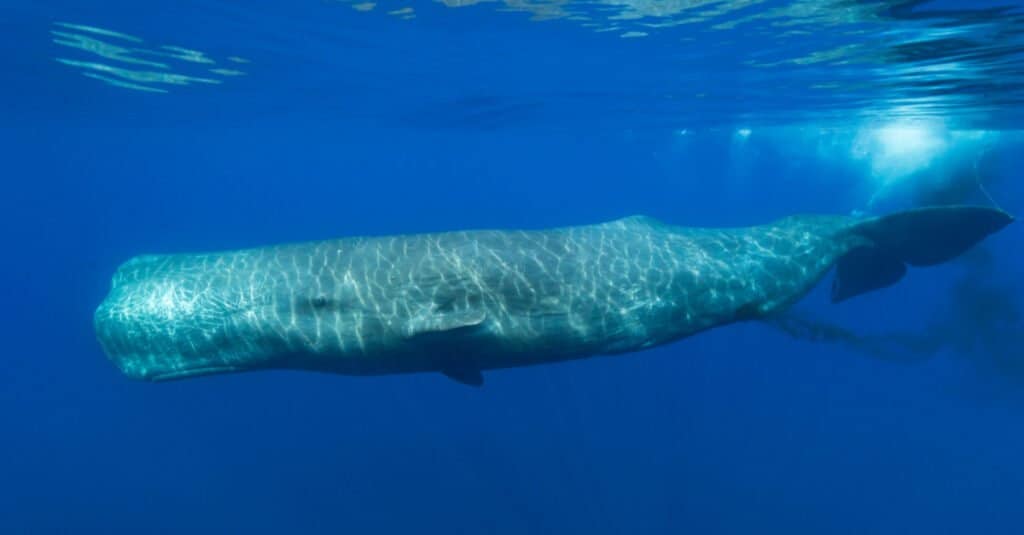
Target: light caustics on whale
[{"x": 462, "y": 302}]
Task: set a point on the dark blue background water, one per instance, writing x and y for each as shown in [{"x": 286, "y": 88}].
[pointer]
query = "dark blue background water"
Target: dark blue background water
[{"x": 739, "y": 430}]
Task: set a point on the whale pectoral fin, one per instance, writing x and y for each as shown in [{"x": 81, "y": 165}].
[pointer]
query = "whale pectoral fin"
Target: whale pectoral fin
[
  {"x": 450, "y": 333},
  {"x": 442, "y": 326},
  {"x": 467, "y": 375}
]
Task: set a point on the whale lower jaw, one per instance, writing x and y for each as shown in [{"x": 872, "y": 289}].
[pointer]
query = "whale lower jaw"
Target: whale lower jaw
[
  {"x": 151, "y": 375},
  {"x": 193, "y": 372}
]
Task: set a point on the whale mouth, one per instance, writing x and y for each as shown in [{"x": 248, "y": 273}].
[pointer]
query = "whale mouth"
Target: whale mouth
[{"x": 191, "y": 372}]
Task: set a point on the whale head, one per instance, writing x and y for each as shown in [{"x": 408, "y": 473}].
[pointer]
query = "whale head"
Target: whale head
[{"x": 166, "y": 317}]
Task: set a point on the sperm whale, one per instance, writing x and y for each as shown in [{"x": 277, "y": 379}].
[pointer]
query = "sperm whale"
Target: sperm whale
[{"x": 463, "y": 302}]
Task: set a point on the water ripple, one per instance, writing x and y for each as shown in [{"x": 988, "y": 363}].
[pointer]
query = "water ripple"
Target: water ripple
[
  {"x": 123, "y": 61},
  {"x": 830, "y": 56}
]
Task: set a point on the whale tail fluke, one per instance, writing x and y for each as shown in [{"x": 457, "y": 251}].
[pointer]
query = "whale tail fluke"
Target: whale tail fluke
[{"x": 919, "y": 237}]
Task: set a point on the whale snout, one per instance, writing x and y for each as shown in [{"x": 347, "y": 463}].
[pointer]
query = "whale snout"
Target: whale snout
[{"x": 165, "y": 328}]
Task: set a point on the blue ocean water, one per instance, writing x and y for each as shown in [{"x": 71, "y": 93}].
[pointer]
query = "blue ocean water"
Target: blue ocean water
[{"x": 158, "y": 127}]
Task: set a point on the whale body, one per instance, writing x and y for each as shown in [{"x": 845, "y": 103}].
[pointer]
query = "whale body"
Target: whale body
[{"x": 462, "y": 302}]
